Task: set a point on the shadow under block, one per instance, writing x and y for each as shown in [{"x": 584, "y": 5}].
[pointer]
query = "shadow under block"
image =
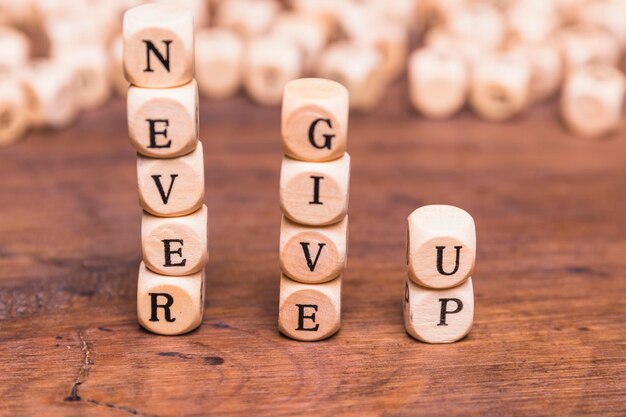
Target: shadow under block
[
  {"x": 13, "y": 111},
  {"x": 171, "y": 187},
  {"x": 441, "y": 246},
  {"x": 315, "y": 193},
  {"x": 314, "y": 119},
  {"x": 219, "y": 62},
  {"x": 158, "y": 46},
  {"x": 438, "y": 316},
  {"x": 163, "y": 123},
  {"x": 175, "y": 246},
  {"x": 169, "y": 305},
  {"x": 309, "y": 312},
  {"x": 313, "y": 255}
]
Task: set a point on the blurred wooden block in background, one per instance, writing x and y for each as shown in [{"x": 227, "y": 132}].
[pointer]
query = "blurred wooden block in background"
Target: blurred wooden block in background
[
  {"x": 175, "y": 246},
  {"x": 14, "y": 120},
  {"x": 438, "y": 82},
  {"x": 592, "y": 100},
  {"x": 171, "y": 187},
  {"x": 585, "y": 44},
  {"x": 532, "y": 21},
  {"x": 308, "y": 32},
  {"x": 199, "y": 9},
  {"x": 315, "y": 193},
  {"x": 270, "y": 63},
  {"x": 219, "y": 62},
  {"x": 169, "y": 305},
  {"x": 249, "y": 18},
  {"x": 438, "y": 316},
  {"x": 158, "y": 46},
  {"x": 309, "y": 312},
  {"x": 313, "y": 255},
  {"x": 500, "y": 87},
  {"x": 314, "y": 119},
  {"x": 163, "y": 123},
  {"x": 358, "y": 68},
  {"x": 441, "y": 246},
  {"x": 478, "y": 22},
  {"x": 546, "y": 67},
  {"x": 116, "y": 67},
  {"x": 15, "y": 48}
]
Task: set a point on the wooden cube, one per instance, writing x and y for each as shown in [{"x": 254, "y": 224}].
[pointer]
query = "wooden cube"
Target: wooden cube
[
  {"x": 438, "y": 82},
  {"x": 171, "y": 187},
  {"x": 199, "y": 9},
  {"x": 442, "y": 39},
  {"x": 175, "y": 246},
  {"x": 478, "y": 22},
  {"x": 14, "y": 119},
  {"x": 500, "y": 87},
  {"x": 315, "y": 193},
  {"x": 358, "y": 68},
  {"x": 438, "y": 316},
  {"x": 532, "y": 21},
  {"x": 314, "y": 119},
  {"x": 15, "y": 48},
  {"x": 313, "y": 255},
  {"x": 592, "y": 100},
  {"x": 546, "y": 67},
  {"x": 309, "y": 312},
  {"x": 158, "y": 46},
  {"x": 441, "y": 246},
  {"x": 169, "y": 305},
  {"x": 585, "y": 44},
  {"x": 309, "y": 33},
  {"x": 607, "y": 14},
  {"x": 163, "y": 122},
  {"x": 250, "y": 18},
  {"x": 219, "y": 62}
]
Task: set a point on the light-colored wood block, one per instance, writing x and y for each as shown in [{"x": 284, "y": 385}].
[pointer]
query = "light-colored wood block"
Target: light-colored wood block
[
  {"x": 116, "y": 67},
  {"x": 270, "y": 63},
  {"x": 442, "y": 39},
  {"x": 532, "y": 21},
  {"x": 585, "y": 44},
  {"x": 592, "y": 100},
  {"x": 163, "y": 122},
  {"x": 309, "y": 312},
  {"x": 438, "y": 316},
  {"x": 478, "y": 22},
  {"x": 500, "y": 87},
  {"x": 175, "y": 246},
  {"x": 15, "y": 48},
  {"x": 306, "y": 31},
  {"x": 219, "y": 62},
  {"x": 171, "y": 187},
  {"x": 438, "y": 82},
  {"x": 358, "y": 68},
  {"x": 250, "y": 18},
  {"x": 158, "y": 46},
  {"x": 313, "y": 255},
  {"x": 199, "y": 9},
  {"x": 441, "y": 246},
  {"x": 607, "y": 14},
  {"x": 169, "y": 305},
  {"x": 14, "y": 119},
  {"x": 315, "y": 193},
  {"x": 546, "y": 67},
  {"x": 314, "y": 119}
]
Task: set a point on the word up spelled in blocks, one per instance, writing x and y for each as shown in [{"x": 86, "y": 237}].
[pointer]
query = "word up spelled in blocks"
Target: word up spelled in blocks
[
  {"x": 169, "y": 305},
  {"x": 158, "y": 46},
  {"x": 441, "y": 252}
]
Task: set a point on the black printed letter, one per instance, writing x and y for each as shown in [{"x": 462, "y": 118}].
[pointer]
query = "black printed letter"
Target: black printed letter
[
  {"x": 166, "y": 307},
  {"x": 316, "y": 190},
  {"x": 157, "y": 180},
  {"x": 327, "y": 138},
  {"x": 440, "y": 250},
  {"x": 307, "y": 254},
  {"x": 301, "y": 317},
  {"x": 154, "y": 133},
  {"x": 169, "y": 252},
  {"x": 444, "y": 309},
  {"x": 164, "y": 60}
]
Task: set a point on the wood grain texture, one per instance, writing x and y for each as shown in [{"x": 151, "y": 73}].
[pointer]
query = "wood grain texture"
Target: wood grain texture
[{"x": 550, "y": 320}]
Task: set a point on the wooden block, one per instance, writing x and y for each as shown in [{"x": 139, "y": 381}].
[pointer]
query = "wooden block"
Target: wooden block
[
  {"x": 169, "y": 305},
  {"x": 116, "y": 67},
  {"x": 315, "y": 193},
  {"x": 441, "y": 246},
  {"x": 532, "y": 21},
  {"x": 158, "y": 46},
  {"x": 15, "y": 48},
  {"x": 199, "y": 9},
  {"x": 546, "y": 67},
  {"x": 438, "y": 316},
  {"x": 14, "y": 119},
  {"x": 250, "y": 18},
  {"x": 314, "y": 119},
  {"x": 309, "y": 312},
  {"x": 219, "y": 62},
  {"x": 309, "y": 33},
  {"x": 500, "y": 87},
  {"x": 171, "y": 187},
  {"x": 163, "y": 123},
  {"x": 358, "y": 68},
  {"x": 606, "y": 14},
  {"x": 585, "y": 44},
  {"x": 443, "y": 40},
  {"x": 270, "y": 63},
  {"x": 313, "y": 255},
  {"x": 592, "y": 100},
  {"x": 175, "y": 246},
  {"x": 478, "y": 22},
  {"x": 438, "y": 82}
]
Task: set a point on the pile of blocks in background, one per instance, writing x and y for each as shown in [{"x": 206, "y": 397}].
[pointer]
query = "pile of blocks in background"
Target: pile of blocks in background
[
  {"x": 163, "y": 128},
  {"x": 314, "y": 188},
  {"x": 499, "y": 57}
]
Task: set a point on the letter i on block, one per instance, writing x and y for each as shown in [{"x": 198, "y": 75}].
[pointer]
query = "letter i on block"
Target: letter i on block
[{"x": 441, "y": 251}]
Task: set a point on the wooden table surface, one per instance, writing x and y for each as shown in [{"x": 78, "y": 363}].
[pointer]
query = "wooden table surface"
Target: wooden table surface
[{"x": 549, "y": 335}]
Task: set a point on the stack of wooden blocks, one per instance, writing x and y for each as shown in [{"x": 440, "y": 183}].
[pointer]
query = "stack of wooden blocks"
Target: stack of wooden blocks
[
  {"x": 438, "y": 292},
  {"x": 314, "y": 188},
  {"x": 163, "y": 128}
]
